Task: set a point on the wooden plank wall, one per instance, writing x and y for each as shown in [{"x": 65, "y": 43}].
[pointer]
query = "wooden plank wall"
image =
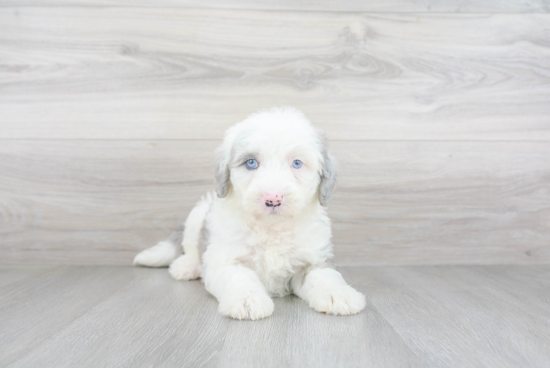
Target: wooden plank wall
[{"x": 439, "y": 113}]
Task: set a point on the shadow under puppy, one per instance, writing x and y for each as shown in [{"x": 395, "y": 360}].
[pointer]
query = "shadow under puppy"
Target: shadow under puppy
[{"x": 268, "y": 233}]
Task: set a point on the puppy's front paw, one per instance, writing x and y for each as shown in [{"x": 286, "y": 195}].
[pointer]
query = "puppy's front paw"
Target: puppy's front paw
[
  {"x": 251, "y": 306},
  {"x": 185, "y": 267},
  {"x": 338, "y": 299}
]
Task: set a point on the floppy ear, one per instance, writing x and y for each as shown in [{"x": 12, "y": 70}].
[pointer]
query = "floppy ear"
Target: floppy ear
[
  {"x": 329, "y": 176},
  {"x": 222, "y": 172}
]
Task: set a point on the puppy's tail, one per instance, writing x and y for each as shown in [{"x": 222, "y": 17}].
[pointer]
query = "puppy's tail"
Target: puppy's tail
[{"x": 188, "y": 237}]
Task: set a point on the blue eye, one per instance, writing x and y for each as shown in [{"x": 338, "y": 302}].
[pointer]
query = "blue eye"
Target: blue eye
[
  {"x": 252, "y": 164},
  {"x": 297, "y": 164}
]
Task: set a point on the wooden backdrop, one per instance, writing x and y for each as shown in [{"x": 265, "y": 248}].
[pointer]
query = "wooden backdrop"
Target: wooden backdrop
[{"x": 439, "y": 113}]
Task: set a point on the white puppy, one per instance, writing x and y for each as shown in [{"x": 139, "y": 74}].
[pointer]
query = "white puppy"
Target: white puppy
[{"x": 267, "y": 230}]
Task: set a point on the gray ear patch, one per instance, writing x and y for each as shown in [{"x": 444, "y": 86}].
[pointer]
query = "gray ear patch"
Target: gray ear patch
[
  {"x": 329, "y": 175},
  {"x": 329, "y": 178},
  {"x": 221, "y": 173}
]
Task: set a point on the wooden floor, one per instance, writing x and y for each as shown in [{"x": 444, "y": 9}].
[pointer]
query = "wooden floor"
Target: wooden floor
[{"x": 441, "y": 316}]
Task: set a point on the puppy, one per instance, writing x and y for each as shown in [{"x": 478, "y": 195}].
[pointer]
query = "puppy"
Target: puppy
[{"x": 267, "y": 230}]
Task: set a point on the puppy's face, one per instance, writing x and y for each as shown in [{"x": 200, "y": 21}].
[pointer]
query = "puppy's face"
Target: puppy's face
[{"x": 275, "y": 164}]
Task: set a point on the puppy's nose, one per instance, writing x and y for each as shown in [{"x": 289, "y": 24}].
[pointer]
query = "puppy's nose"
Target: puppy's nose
[{"x": 273, "y": 199}]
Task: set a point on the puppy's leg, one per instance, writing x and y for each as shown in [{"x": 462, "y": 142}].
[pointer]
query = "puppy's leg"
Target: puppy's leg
[
  {"x": 188, "y": 265},
  {"x": 326, "y": 291},
  {"x": 239, "y": 291},
  {"x": 185, "y": 267}
]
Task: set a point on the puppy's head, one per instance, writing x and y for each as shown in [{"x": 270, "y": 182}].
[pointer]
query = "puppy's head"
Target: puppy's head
[{"x": 275, "y": 163}]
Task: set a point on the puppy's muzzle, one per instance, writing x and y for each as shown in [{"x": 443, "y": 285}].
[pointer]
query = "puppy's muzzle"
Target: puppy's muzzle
[{"x": 273, "y": 199}]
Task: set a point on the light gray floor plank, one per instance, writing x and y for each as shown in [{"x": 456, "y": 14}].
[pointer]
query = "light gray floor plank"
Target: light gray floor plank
[
  {"x": 153, "y": 321},
  {"x": 491, "y": 316},
  {"x": 191, "y": 73},
  {"x": 10, "y": 274},
  {"x": 456, "y": 316},
  {"x": 297, "y": 336},
  {"x": 36, "y": 308}
]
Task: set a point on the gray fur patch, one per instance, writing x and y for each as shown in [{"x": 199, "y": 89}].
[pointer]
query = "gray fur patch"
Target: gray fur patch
[
  {"x": 221, "y": 173},
  {"x": 329, "y": 174}
]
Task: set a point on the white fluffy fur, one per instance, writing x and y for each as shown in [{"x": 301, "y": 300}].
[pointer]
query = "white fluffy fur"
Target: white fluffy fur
[{"x": 256, "y": 252}]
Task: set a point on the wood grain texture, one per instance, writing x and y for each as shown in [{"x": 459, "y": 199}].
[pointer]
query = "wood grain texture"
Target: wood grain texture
[
  {"x": 305, "y": 338},
  {"x": 37, "y": 307},
  {"x": 493, "y": 316},
  {"x": 10, "y": 274},
  {"x": 144, "y": 73},
  {"x": 100, "y": 202},
  {"x": 450, "y": 304},
  {"x": 152, "y": 321},
  {"x": 433, "y": 6},
  {"x": 110, "y": 112}
]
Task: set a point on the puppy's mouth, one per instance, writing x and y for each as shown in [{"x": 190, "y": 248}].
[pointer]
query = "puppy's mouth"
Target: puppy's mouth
[{"x": 274, "y": 209}]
